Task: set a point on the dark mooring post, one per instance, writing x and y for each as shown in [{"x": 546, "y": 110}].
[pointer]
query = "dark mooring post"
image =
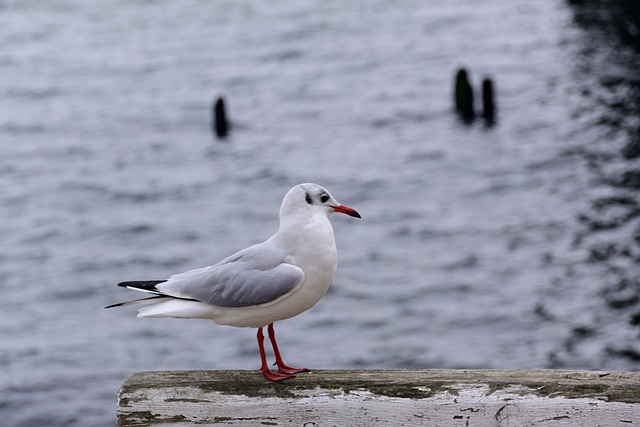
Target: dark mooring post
[
  {"x": 464, "y": 95},
  {"x": 220, "y": 122},
  {"x": 488, "y": 102}
]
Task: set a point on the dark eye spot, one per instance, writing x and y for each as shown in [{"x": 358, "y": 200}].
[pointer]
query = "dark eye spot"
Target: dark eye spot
[
  {"x": 308, "y": 198},
  {"x": 324, "y": 197}
]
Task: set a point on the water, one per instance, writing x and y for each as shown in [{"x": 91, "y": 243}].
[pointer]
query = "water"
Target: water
[{"x": 512, "y": 246}]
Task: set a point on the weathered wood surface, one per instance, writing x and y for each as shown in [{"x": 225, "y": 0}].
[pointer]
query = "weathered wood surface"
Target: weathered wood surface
[{"x": 382, "y": 398}]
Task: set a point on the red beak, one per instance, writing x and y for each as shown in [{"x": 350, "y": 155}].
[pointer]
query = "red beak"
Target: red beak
[{"x": 346, "y": 210}]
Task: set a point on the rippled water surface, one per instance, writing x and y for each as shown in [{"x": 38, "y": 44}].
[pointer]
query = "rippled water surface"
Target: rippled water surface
[{"x": 511, "y": 246}]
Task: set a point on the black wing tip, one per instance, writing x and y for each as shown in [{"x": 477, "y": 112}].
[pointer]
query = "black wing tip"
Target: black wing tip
[
  {"x": 141, "y": 284},
  {"x": 120, "y": 304},
  {"x": 136, "y": 301}
]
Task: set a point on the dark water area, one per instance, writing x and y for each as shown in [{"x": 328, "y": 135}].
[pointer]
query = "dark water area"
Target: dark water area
[
  {"x": 608, "y": 69},
  {"x": 506, "y": 245}
]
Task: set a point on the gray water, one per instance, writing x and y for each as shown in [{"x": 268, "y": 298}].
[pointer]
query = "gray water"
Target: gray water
[{"x": 479, "y": 247}]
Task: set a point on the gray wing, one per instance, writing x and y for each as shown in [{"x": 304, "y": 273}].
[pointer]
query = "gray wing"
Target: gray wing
[{"x": 253, "y": 276}]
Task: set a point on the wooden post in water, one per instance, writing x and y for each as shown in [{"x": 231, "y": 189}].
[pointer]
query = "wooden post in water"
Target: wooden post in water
[
  {"x": 220, "y": 122},
  {"x": 463, "y": 96},
  {"x": 488, "y": 102},
  {"x": 382, "y": 398}
]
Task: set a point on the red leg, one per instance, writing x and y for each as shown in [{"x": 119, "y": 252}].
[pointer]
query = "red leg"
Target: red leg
[
  {"x": 282, "y": 368},
  {"x": 269, "y": 374}
]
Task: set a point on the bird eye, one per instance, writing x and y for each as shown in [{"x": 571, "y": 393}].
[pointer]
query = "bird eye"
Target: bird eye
[{"x": 324, "y": 197}]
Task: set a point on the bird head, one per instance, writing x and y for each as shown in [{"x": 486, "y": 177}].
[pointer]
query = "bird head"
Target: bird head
[{"x": 313, "y": 198}]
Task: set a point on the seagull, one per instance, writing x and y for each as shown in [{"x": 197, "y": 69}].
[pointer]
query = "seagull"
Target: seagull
[{"x": 274, "y": 280}]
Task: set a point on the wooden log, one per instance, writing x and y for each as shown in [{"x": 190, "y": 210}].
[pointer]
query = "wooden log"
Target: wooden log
[{"x": 382, "y": 398}]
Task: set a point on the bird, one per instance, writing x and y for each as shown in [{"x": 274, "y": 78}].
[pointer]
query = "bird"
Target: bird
[{"x": 277, "y": 279}]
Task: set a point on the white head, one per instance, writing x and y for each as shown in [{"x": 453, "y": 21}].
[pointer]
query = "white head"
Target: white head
[{"x": 311, "y": 198}]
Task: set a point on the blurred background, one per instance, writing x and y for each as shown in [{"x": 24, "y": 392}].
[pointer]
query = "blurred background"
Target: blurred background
[{"x": 512, "y": 244}]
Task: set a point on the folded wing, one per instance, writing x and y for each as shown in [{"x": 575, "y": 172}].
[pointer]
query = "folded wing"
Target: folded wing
[{"x": 254, "y": 276}]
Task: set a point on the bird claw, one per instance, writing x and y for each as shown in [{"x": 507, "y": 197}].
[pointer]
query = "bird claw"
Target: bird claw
[{"x": 277, "y": 376}]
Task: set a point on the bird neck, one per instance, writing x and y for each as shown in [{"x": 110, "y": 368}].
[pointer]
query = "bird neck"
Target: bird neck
[{"x": 300, "y": 231}]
